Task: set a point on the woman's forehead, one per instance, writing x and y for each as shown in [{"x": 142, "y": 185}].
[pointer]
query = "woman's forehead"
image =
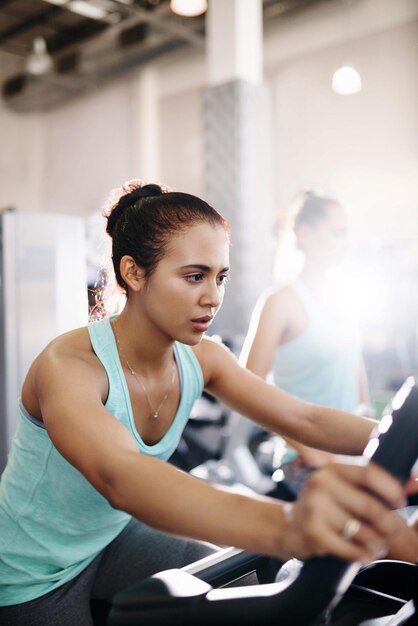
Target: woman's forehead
[{"x": 198, "y": 242}]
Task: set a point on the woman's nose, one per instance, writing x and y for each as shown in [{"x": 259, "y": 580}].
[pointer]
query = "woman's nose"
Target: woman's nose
[{"x": 212, "y": 296}]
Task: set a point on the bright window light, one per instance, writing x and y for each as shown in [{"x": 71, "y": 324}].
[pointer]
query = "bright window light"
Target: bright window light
[{"x": 361, "y": 292}]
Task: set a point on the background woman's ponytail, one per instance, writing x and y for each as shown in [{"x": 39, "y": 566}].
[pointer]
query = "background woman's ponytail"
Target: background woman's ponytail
[{"x": 311, "y": 207}]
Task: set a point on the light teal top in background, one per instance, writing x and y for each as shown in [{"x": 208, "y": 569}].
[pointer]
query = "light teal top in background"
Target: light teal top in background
[
  {"x": 322, "y": 364},
  {"x": 53, "y": 523}
]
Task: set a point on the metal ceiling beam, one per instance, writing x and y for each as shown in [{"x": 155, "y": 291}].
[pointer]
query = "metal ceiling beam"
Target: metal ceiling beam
[
  {"x": 4, "y": 3},
  {"x": 30, "y": 22},
  {"x": 158, "y": 19}
]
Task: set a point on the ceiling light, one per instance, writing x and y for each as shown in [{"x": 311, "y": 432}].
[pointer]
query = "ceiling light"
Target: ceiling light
[
  {"x": 87, "y": 9},
  {"x": 346, "y": 81},
  {"x": 39, "y": 61},
  {"x": 188, "y": 8}
]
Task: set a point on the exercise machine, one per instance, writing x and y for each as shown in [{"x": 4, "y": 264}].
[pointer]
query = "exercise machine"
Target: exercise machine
[{"x": 319, "y": 591}]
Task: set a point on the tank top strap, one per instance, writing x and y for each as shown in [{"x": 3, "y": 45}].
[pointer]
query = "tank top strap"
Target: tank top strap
[
  {"x": 104, "y": 346},
  {"x": 102, "y": 338}
]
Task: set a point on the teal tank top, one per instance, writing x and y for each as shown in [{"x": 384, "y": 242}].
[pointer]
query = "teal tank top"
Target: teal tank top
[
  {"x": 322, "y": 364},
  {"x": 53, "y": 522}
]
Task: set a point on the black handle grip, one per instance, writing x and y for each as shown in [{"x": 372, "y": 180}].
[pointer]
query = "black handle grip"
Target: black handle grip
[{"x": 395, "y": 446}]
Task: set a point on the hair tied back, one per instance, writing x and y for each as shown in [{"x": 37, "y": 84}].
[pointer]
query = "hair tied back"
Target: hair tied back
[{"x": 134, "y": 192}]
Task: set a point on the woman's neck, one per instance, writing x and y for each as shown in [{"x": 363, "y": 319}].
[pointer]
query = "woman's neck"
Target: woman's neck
[
  {"x": 148, "y": 350},
  {"x": 313, "y": 276}
]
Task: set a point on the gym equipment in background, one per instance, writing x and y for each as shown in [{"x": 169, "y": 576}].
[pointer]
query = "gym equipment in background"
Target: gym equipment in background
[{"x": 43, "y": 293}]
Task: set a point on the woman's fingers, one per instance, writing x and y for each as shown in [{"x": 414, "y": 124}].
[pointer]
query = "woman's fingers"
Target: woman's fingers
[
  {"x": 346, "y": 510},
  {"x": 373, "y": 478},
  {"x": 411, "y": 486},
  {"x": 364, "y": 493},
  {"x": 334, "y": 530},
  {"x": 404, "y": 544}
]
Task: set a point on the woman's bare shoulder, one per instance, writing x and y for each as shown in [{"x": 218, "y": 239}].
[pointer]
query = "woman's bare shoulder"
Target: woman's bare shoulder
[
  {"x": 277, "y": 299},
  {"x": 72, "y": 348},
  {"x": 280, "y": 293},
  {"x": 74, "y": 343},
  {"x": 212, "y": 353},
  {"x": 71, "y": 355},
  {"x": 211, "y": 345}
]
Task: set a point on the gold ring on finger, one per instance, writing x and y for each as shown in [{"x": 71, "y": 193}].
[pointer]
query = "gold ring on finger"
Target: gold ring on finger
[{"x": 351, "y": 528}]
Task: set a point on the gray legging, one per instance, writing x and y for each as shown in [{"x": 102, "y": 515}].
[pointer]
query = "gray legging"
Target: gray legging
[{"x": 139, "y": 551}]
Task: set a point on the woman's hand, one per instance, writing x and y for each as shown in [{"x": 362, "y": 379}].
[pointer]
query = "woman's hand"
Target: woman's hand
[
  {"x": 347, "y": 510},
  {"x": 405, "y": 546},
  {"x": 411, "y": 486}
]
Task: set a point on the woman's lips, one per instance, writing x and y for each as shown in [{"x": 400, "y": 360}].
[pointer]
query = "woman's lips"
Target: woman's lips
[{"x": 201, "y": 324}]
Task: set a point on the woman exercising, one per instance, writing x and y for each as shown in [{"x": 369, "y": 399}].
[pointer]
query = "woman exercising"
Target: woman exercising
[
  {"x": 87, "y": 503},
  {"x": 302, "y": 335}
]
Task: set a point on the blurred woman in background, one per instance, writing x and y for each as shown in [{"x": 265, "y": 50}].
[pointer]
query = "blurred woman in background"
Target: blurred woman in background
[{"x": 302, "y": 335}]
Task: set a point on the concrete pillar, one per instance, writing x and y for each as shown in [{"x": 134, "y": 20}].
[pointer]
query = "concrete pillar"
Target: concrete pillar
[
  {"x": 234, "y": 41},
  {"x": 145, "y": 127},
  {"x": 239, "y": 162}
]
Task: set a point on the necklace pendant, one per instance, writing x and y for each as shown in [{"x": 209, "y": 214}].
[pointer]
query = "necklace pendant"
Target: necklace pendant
[{"x": 155, "y": 415}]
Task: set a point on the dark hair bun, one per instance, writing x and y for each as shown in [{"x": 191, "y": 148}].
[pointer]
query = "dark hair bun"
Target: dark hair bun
[
  {"x": 312, "y": 207},
  {"x": 129, "y": 195}
]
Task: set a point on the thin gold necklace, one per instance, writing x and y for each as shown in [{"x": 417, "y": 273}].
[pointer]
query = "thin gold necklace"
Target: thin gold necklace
[{"x": 155, "y": 412}]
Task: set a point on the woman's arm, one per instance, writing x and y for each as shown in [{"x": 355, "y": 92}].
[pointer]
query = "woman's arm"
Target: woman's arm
[
  {"x": 160, "y": 495},
  {"x": 316, "y": 426},
  {"x": 404, "y": 543}
]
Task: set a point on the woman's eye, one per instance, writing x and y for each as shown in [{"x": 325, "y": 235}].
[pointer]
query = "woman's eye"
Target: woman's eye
[
  {"x": 223, "y": 279},
  {"x": 194, "y": 278}
]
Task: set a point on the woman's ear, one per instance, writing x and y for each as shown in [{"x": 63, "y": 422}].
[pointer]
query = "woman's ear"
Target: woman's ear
[{"x": 131, "y": 273}]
